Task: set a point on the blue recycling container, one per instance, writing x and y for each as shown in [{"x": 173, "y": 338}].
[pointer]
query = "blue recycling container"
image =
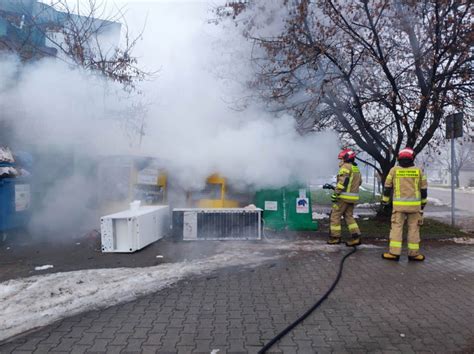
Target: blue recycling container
[{"x": 15, "y": 203}]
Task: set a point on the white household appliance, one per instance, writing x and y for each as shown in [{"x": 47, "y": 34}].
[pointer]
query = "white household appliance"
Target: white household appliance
[{"x": 131, "y": 230}]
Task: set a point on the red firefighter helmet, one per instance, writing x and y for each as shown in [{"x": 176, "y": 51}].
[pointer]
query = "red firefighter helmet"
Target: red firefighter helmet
[
  {"x": 347, "y": 155},
  {"x": 406, "y": 153}
]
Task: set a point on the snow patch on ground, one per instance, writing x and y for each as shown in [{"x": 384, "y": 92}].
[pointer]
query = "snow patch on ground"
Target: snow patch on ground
[
  {"x": 368, "y": 246},
  {"x": 318, "y": 216},
  {"x": 47, "y": 266},
  {"x": 435, "y": 202},
  {"x": 464, "y": 240},
  {"x": 367, "y": 205},
  {"x": 466, "y": 189},
  {"x": 37, "y": 301}
]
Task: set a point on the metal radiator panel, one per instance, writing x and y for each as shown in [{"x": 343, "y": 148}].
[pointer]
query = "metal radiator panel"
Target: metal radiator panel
[{"x": 217, "y": 224}]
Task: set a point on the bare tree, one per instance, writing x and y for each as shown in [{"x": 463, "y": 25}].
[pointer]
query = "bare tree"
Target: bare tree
[
  {"x": 382, "y": 73},
  {"x": 82, "y": 36}
]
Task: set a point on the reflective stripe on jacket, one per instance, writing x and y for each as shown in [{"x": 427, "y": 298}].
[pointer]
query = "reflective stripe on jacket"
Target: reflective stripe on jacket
[
  {"x": 406, "y": 184},
  {"x": 348, "y": 182}
]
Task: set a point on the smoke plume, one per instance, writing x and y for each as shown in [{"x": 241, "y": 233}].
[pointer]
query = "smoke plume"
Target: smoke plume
[{"x": 192, "y": 122}]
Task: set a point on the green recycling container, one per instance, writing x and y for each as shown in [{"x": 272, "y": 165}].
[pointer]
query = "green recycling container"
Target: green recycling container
[{"x": 286, "y": 208}]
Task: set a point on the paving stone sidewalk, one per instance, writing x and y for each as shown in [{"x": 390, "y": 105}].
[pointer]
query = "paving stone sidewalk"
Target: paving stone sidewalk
[{"x": 378, "y": 306}]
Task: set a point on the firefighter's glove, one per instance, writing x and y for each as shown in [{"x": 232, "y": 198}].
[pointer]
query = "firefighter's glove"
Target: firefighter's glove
[
  {"x": 385, "y": 201},
  {"x": 334, "y": 197}
]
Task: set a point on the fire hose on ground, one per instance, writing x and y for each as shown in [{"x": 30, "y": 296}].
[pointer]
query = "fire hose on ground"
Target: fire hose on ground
[
  {"x": 314, "y": 307},
  {"x": 317, "y": 304}
]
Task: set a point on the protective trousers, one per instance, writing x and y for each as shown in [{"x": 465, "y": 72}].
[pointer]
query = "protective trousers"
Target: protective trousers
[
  {"x": 345, "y": 209},
  {"x": 396, "y": 232}
]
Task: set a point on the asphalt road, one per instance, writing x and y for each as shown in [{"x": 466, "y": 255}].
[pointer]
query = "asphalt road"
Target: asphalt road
[{"x": 463, "y": 200}]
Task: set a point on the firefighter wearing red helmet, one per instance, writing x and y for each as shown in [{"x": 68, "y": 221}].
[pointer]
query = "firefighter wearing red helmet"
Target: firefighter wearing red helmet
[
  {"x": 407, "y": 186},
  {"x": 346, "y": 195}
]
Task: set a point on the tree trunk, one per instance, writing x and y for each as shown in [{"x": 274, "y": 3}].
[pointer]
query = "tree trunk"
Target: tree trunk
[{"x": 384, "y": 211}]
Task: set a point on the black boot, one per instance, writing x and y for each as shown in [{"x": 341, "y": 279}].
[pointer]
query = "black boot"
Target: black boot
[
  {"x": 417, "y": 258},
  {"x": 354, "y": 241},
  {"x": 334, "y": 240}
]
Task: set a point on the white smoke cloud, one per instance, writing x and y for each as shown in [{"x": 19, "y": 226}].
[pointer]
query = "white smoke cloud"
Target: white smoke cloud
[
  {"x": 51, "y": 104},
  {"x": 193, "y": 125},
  {"x": 189, "y": 123}
]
